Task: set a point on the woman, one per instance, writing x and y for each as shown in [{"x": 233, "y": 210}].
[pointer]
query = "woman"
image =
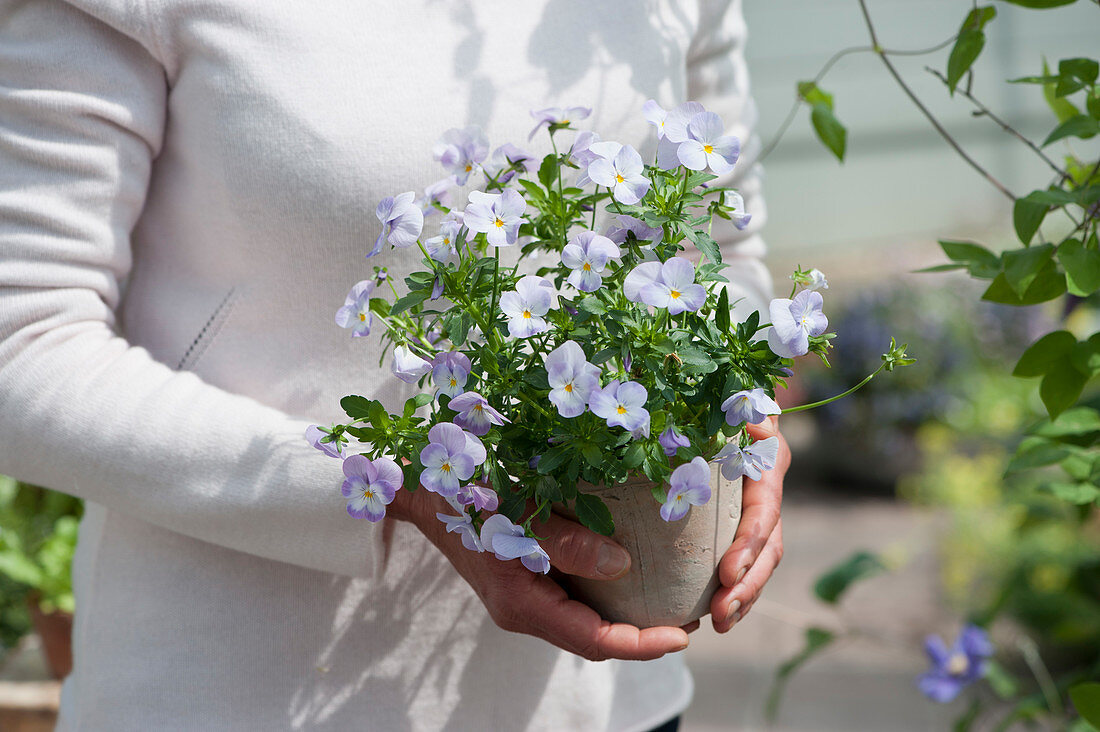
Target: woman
[{"x": 186, "y": 191}]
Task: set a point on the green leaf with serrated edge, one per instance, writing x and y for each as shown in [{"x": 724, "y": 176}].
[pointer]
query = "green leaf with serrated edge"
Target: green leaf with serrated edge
[
  {"x": 548, "y": 489},
  {"x": 409, "y": 300},
  {"x": 1061, "y": 387},
  {"x": 1082, "y": 126},
  {"x": 1037, "y": 456},
  {"x": 634, "y": 456},
  {"x": 592, "y": 305},
  {"x": 1086, "y": 700},
  {"x": 968, "y": 44},
  {"x": 831, "y": 585},
  {"x": 356, "y": 407},
  {"x": 416, "y": 402},
  {"x": 1072, "y": 422},
  {"x": 979, "y": 261},
  {"x": 592, "y": 454},
  {"x": 708, "y": 246},
  {"x": 1076, "y": 493},
  {"x": 829, "y": 130},
  {"x": 722, "y": 312},
  {"x": 512, "y": 505},
  {"x": 1041, "y": 355},
  {"x": 548, "y": 171},
  {"x": 816, "y": 640},
  {"x": 1027, "y": 217},
  {"x": 1082, "y": 267},
  {"x": 1021, "y": 266},
  {"x": 593, "y": 513},
  {"x": 1048, "y": 284},
  {"x": 554, "y": 458}
]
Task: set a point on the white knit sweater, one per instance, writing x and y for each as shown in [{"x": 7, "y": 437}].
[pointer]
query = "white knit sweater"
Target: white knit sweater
[{"x": 187, "y": 192}]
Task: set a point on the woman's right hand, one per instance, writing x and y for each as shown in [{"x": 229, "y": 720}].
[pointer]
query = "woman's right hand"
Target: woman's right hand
[{"x": 522, "y": 601}]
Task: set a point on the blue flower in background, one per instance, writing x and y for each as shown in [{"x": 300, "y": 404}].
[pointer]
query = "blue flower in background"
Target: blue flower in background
[{"x": 955, "y": 668}]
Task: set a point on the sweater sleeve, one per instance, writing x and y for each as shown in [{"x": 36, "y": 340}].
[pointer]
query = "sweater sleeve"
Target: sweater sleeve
[
  {"x": 82, "y": 114},
  {"x": 718, "y": 78}
]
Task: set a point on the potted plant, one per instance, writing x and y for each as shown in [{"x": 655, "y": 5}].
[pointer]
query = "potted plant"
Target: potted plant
[
  {"x": 610, "y": 384},
  {"x": 38, "y": 530}
]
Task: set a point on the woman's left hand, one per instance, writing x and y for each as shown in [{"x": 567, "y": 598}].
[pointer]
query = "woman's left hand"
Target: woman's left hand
[{"x": 758, "y": 545}]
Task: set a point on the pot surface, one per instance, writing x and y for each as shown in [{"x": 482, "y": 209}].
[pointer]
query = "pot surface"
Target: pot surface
[{"x": 674, "y": 565}]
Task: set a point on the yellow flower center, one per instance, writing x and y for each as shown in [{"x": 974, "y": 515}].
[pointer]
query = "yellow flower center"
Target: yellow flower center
[
  {"x": 708, "y": 149},
  {"x": 446, "y": 240},
  {"x": 958, "y": 664},
  {"x": 454, "y": 381},
  {"x": 586, "y": 266},
  {"x": 368, "y": 493},
  {"x": 445, "y": 467},
  {"x": 527, "y": 313},
  {"x": 499, "y": 222},
  {"x": 477, "y": 407},
  {"x": 569, "y": 387},
  {"x": 362, "y": 317},
  {"x": 469, "y": 167},
  {"x": 619, "y": 178},
  {"x": 621, "y": 409},
  {"x": 564, "y": 122},
  {"x": 679, "y": 498},
  {"x": 675, "y": 294}
]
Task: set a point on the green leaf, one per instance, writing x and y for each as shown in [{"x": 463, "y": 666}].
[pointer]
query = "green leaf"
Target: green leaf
[
  {"x": 592, "y": 305},
  {"x": 1076, "y": 493},
  {"x": 1082, "y": 126},
  {"x": 1037, "y": 456},
  {"x": 1072, "y": 422},
  {"x": 548, "y": 171},
  {"x": 831, "y": 585},
  {"x": 813, "y": 95},
  {"x": 594, "y": 514},
  {"x": 592, "y": 453},
  {"x": 1086, "y": 700},
  {"x": 708, "y": 246},
  {"x": 1061, "y": 387},
  {"x": 634, "y": 455},
  {"x": 413, "y": 298},
  {"x": 829, "y": 130},
  {"x": 1086, "y": 356},
  {"x": 1027, "y": 217},
  {"x": 816, "y": 640},
  {"x": 722, "y": 312},
  {"x": 1082, "y": 267},
  {"x": 1021, "y": 266},
  {"x": 968, "y": 44},
  {"x": 357, "y": 407},
  {"x": 553, "y": 458},
  {"x": 1048, "y": 284},
  {"x": 981, "y": 262},
  {"x": 1040, "y": 4},
  {"x": 1075, "y": 74},
  {"x": 1041, "y": 355},
  {"x": 415, "y": 403},
  {"x": 1001, "y": 681},
  {"x": 1063, "y": 109}
]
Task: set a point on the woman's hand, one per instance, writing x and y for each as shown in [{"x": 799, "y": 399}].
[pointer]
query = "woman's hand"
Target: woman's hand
[
  {"x": 758, "y": 545},
  {"x": 521, "y": 601}
]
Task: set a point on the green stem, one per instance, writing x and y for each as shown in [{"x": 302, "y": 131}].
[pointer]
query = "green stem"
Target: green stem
[{"x": 823, "y": 402}]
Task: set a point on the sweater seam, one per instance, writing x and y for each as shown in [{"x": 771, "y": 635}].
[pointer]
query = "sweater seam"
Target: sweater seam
[{"x": 152, "y": 33}]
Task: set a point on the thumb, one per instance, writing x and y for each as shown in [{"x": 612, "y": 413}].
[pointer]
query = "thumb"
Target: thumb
[
  {"x": 577, "y": 550},
  {"x": 768, "y": 428}
]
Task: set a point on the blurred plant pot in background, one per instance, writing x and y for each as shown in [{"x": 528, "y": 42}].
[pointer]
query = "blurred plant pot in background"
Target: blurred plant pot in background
[
  {"x": 674, "y": 564},
  {"x": 56, "y": 631}
]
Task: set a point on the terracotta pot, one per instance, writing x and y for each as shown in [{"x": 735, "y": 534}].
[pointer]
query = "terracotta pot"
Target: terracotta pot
[
  {"x": 674, "y": 565},
  {"x": 56, "y": 631}
]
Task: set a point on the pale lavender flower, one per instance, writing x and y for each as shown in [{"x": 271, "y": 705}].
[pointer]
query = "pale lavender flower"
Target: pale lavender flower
[
  {"x": 675, "y": 131},
  {"x": 438, "y": 192},
  {"x": 370, "y": 486},
  {"x": 669, "y": 285},
  {"x": 622, "y": 405},
  {"x": 506, "y": 159},
  {"x": 749, "y": 405},
  {"x": 587, "y": 254},
  {"x": 655, "y": 115},
  {"x": 706, "y": 146},
  {"x": 738, "y": 215},
  {"x": 526, "y": 305},
  {"x": 463, "y": 525},
  {"x": 752, "y": 462},
  {"x": 449, "y": 459},
  {"x": 443, "y": 245},
  {"x": 402, "y": 221},
  {"x": 450, "y": 371},
  {"x": 497, "y": 215},
  {"x": 581, "y": 155},
  {"x": 630, "y": 225},
  {"x": 817, "y": 280},
  {"x": 794, "y": 321},
  {"x": 557, "y": 116},
  {"x": 333, "y": 449},
  {"x": 619, "y": 168},
  {"x": 407, "y": 366},
  {"x": 355, "y": 313},
  {"x": 437, "y": 287},
  {"x": 571, "y": 378},
  {"x": 671, "y": 441},
  {"x": 508, "y": 541},
  {"x": 481, "y": 497},
  {"x": 689, "y": 486},
  {"x": 460, "y": 151},
  {"x": 475, "y": 413},
  {"x": 952, "y": 670}
]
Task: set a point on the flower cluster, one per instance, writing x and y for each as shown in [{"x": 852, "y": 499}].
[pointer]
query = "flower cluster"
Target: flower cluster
[{"x": 618, "y": 357}]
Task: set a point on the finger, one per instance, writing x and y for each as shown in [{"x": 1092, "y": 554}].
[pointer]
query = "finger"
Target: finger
[
  {"x": 760, "y": 503},
  {"x": 731, "y": 604},
  {"x": 577, "y": 550},
  {"x": 548, "y": 613},
  {"x": 691, "y": 627}
]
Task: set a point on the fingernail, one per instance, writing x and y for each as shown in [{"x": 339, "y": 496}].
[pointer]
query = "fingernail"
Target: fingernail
[
  {"x": 733, "y": 615},
  {"x": 681, "y": 647},
  {"x": 611, "y": 561},
  {"x": 740, "y": 575}
]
